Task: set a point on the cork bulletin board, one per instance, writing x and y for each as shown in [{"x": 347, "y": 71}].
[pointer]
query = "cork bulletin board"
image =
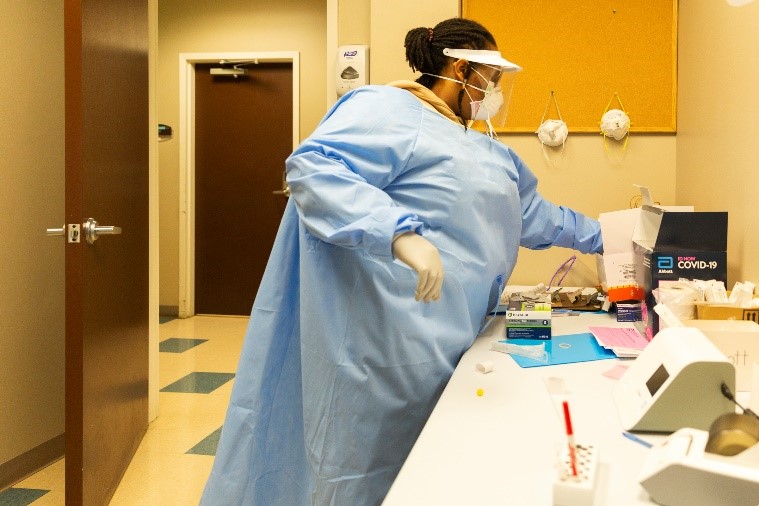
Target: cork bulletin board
[{"x": 585, "y": 51}]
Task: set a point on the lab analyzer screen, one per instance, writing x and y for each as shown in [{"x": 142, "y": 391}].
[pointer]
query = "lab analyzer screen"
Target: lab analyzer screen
[{"x": 656, "y": 380}]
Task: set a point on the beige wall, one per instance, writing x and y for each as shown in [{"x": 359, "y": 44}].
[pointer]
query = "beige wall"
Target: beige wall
[
  {"x": 353, "y": 22},
  {"x": 716, "y": 140},
  {"x": 31, "y": 200},
  {"x": 391, "y": 20},
  {"x": 586, "y": 178},
  {"x": 205, "y": 26},
  {"x": 589, "y": 181},
  {"x": 708, "y": 140}
]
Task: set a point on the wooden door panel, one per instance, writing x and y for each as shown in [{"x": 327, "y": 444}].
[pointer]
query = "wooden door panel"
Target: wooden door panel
[
  {"x": 243, "y": 134},
  {"x": 106, "y": 282}
]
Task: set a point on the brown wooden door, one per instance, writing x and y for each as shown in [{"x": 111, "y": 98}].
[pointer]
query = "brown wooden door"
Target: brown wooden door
[
  {"x": 243, "y": 134},
  {"x": 106, "y": 103}
]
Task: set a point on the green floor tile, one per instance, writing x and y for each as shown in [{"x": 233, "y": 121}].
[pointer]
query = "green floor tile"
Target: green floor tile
[
  {"x": 199, "y": 382},
  {"x": 20, "y": 496},
  {"x": 178, "y": 344},
  {"x": 208, "y": 445}
]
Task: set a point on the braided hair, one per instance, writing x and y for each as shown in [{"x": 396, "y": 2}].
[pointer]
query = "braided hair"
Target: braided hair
[{"x": 424, "y": 46}]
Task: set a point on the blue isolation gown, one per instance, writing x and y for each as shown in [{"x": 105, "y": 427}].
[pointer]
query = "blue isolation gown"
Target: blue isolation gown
[{"x": 341, "y": 366}]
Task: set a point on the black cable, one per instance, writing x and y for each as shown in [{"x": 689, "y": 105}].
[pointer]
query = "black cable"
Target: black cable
[{"x": 729, "y": 395}]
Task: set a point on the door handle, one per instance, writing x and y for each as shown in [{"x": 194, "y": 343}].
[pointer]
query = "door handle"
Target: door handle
[
  {"x": 92, "y": 230},
  {"x": 285, "y": 187},
  {"x": 70, "y": 231}
]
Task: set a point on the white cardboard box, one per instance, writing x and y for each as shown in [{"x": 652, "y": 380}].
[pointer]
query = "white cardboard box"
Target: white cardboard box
[
  {"x": 621, "y": 230},
  {"x": 617, "y": 229}
]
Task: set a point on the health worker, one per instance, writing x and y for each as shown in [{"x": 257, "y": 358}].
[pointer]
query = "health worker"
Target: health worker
[{"x": 402, "y": 226}]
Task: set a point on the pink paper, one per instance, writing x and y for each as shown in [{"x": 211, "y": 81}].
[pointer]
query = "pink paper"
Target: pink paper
[
  {"x": 619, "y": 337},
  {"x": 616, "y": 372}
]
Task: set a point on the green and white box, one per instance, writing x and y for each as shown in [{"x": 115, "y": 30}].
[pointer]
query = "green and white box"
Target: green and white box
[{"x": 528, "y": 318}]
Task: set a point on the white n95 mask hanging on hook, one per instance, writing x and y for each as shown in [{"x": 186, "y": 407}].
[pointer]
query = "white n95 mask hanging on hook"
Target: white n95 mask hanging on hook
[
  {"x": 552, "y": 132},
  {"x": 615, "y": 124}
]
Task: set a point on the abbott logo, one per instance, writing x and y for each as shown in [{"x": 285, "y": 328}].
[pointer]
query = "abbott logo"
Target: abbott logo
[{"x": 665, "y": 263}]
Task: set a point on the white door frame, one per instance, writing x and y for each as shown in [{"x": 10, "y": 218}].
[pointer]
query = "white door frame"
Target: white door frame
[{"x": 187, "y": 63}]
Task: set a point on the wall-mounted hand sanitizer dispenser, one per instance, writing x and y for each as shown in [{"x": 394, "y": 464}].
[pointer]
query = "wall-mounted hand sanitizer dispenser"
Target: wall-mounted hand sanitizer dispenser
[{"x": 352, "y": 68}]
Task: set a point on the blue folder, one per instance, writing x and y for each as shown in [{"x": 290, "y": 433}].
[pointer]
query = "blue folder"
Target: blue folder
[{"x": 566, "y": 349}]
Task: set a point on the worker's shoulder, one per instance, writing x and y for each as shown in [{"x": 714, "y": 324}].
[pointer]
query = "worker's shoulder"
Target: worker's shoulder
[{"x": 380, "y": 93}]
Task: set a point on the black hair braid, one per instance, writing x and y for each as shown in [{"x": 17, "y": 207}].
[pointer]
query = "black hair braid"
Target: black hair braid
[{"x": 424, "y": 46}]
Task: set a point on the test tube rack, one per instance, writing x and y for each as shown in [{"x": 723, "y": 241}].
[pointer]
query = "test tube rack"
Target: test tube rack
[{"x": 580, "y": 490}]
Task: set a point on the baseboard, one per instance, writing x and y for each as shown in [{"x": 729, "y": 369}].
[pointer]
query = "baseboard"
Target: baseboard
[
  {"x": 168, "y": 311},
  {"x": 31, "y": 461}
]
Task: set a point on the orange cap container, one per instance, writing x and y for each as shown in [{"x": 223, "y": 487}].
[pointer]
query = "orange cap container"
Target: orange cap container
[{"x": 627, "y": 292}]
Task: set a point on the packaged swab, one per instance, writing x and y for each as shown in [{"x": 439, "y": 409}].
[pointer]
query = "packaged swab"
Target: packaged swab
[{"x": 533, "y": 351}]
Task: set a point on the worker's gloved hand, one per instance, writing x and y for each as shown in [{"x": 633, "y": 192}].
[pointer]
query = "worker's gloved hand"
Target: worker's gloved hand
[{"x": 419, "y": 254}]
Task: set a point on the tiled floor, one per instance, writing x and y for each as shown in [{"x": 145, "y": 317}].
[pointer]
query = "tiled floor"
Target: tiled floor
[{"x": 197, "y": 363}]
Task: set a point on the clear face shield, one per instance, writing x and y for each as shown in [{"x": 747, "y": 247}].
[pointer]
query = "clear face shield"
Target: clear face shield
[
  {"x": 487, "y": 89},
  {"x": 491, "y": 102}
]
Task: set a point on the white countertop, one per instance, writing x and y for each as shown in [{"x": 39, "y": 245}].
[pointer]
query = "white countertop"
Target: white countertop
[{"x": 502, "y": 447}]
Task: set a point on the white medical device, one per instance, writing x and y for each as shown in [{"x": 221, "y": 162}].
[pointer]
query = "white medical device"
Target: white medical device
[
  {"x": 352, "y": 68},
  {"x": 679, "y": 472},
  {"x": 739, "y": 342},
  {"x": 674, "y": 383}
]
